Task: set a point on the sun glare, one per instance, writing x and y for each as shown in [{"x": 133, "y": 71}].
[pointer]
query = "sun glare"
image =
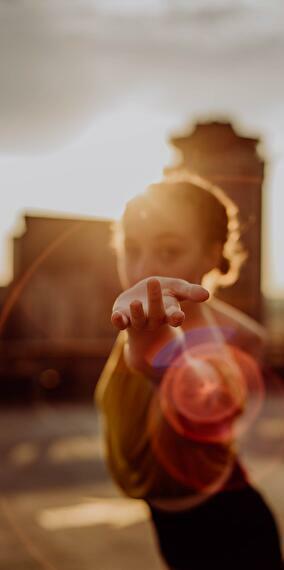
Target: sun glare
[{"x": 91, "y": 177}]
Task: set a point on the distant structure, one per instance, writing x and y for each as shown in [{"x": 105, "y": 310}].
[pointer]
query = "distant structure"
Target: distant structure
[
  {"x": 56, "y": 332},
  {"x": 217, "y": 152}
]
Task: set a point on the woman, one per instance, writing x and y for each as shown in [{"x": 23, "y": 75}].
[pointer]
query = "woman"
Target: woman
[{"x": 176, "y": 391}]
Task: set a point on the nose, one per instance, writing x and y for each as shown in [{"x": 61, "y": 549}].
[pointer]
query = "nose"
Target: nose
[{"x": 144, "y": 267}]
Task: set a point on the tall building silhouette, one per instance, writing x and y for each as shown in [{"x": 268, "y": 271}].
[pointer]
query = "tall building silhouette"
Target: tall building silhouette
[{"x": 217, "y": 152}]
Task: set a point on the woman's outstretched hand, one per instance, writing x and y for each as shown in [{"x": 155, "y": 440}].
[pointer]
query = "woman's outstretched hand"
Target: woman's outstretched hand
[{"x": 153, "y": 302}]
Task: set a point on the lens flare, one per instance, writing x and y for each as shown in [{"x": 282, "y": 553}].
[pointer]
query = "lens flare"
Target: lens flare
[{"x": 207, "y": 399}]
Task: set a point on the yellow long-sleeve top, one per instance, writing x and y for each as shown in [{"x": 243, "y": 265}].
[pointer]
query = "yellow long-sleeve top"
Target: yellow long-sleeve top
[{"x": 125, "y": 398}]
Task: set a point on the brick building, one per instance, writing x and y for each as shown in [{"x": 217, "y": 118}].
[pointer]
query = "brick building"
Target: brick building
[{"x": 55, "y": 324}]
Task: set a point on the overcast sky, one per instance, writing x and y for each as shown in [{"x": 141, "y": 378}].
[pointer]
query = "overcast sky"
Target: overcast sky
[{"x": 91, "y": 90}]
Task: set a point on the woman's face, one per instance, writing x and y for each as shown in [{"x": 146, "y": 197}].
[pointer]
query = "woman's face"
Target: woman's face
[{"x": 163, "y": 242}]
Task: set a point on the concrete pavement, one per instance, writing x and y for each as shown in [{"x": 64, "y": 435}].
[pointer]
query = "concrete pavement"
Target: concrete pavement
[{"x": 59, "y": 508}]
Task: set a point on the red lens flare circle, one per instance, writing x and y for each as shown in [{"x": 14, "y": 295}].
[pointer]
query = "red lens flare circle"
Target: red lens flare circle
[{"x": 209, "y": 386}]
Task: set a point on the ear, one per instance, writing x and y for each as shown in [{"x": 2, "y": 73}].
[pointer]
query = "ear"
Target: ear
[{"x": 213, "y": 256}]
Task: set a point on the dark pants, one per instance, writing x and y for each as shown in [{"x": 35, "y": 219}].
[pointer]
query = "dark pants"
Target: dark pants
[{"x": 234, "y": 530}]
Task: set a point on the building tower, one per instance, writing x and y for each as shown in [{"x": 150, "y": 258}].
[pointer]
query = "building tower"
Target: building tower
[{"x": 217, "y": 152}]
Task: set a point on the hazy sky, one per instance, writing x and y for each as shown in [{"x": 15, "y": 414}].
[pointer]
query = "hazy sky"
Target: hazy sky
[{"x": 91, "y": 90}]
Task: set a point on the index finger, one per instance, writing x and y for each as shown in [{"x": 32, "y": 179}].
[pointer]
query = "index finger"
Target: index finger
[{"x": 156, "y": 310}]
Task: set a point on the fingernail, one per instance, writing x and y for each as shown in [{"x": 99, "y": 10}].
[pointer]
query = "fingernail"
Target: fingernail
[
  {"x": 177, "y": 317},
  {"x": 198, "y": 291}
]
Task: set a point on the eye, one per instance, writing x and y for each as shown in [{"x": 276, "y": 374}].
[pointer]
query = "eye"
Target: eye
[{"x": 168, "y": 253}]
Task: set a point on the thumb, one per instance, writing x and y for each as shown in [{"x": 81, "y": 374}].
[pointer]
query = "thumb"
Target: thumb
[{"x": 183, "y": 290}]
